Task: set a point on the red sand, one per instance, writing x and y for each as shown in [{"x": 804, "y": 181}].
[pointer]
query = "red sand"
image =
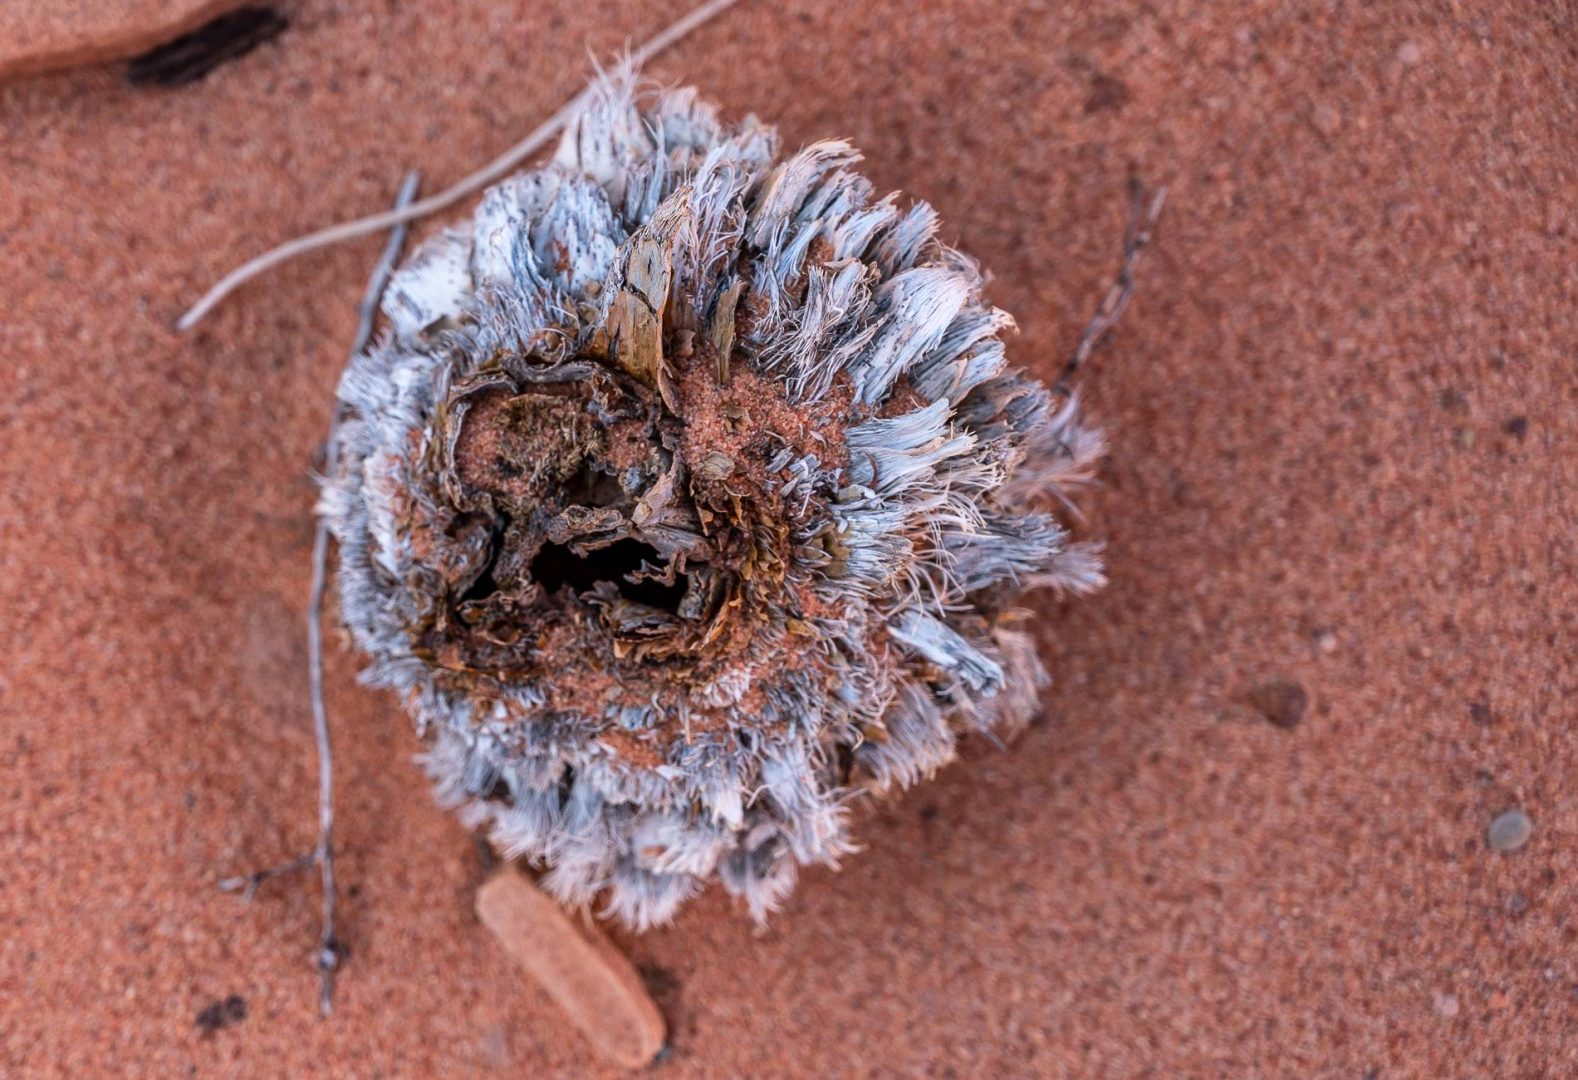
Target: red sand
[{"x": 1342, "y": 410}]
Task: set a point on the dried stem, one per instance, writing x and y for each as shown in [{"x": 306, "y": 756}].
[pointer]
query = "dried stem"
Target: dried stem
[
  {"x": 322, "y": 855},
  {"x": 247, "y": 885},
  {"x": 1143, "y": 215},
  {"x": 494, "y": 170}
]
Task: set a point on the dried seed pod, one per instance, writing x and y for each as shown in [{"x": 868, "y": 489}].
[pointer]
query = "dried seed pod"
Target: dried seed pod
[{"x": 691, "y": 493}]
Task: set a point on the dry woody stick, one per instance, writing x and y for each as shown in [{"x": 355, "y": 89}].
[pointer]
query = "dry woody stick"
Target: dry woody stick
[
  {"x": 1143, "y": 216},
  {"x": 327, "y": 957},
  {"x": 495, "y": 170}
]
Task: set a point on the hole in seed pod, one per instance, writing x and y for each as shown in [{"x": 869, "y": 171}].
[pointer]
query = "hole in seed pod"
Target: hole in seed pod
[
  {"x": 485, "y": 585},
  {"x": 593, "y": 488},
  {"x": 556, "y": 567}
]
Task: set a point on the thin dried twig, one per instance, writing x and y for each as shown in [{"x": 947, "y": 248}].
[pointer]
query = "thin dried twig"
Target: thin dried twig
[
  {"x": 1143, "y": 215},
  {"x": 494, "y": 170},
  {"x": 247, "y": 884},
  {"x": 322, "y": 856}
]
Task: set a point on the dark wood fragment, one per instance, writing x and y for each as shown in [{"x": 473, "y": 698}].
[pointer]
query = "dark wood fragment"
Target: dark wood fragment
[{"x": 191, "y": 56}]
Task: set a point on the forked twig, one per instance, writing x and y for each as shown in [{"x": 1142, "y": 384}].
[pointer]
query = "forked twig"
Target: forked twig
[
  {"x": 328, "y": 955},
  {"x": 247, "y": 885},
  {"x": 494, "y": 170},
  {"x": 1143, "y": 215}
]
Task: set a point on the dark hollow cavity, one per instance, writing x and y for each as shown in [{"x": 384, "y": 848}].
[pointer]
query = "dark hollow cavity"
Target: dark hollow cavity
[{"x": 556, "y": 567}]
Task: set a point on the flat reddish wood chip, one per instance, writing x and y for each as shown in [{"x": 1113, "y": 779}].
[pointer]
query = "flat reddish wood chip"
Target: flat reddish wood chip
[
  {"x": 42, "y": 35},
  {"x": 581, "y": 970}
]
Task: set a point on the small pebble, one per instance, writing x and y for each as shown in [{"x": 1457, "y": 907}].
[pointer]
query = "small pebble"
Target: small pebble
[
  {"x": 1327, "y": 120},
  {"x": 1106, "y": 93},
  {"x": 593, "y": 983},
  {"x": 1445, "y": 1004},
  {"x": 1409, "y": 53},
  {"x": 1281, "y": 701},
  {"x": 1510, "y": 831},
  {"x": 222, "y": 1014}
]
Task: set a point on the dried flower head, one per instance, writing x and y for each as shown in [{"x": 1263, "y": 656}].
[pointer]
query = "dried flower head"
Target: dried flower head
[{"x": 690, "y": 494}]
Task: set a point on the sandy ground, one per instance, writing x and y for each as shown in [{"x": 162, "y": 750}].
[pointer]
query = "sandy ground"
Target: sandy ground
[{"x": 1342, "y": 413}]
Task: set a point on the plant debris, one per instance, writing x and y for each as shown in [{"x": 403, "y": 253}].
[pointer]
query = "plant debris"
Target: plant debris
[
  {"x": 191, "y": 56},
  {"x": 330, "y": 952},
  {"x": 691, "y": 495}
]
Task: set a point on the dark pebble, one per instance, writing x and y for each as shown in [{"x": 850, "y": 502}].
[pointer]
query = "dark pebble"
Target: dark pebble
[
  {"x": 1106, "y": 93},
  {"x": 222, "y": 1014},
  {"x": 1280, "y": 701}
]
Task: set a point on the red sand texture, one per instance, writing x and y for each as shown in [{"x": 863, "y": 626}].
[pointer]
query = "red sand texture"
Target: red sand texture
[{"x": 1342, "y": 412}]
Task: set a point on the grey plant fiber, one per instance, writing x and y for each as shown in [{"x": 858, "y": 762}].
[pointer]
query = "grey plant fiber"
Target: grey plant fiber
[{"x": 689, "y": 495}]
